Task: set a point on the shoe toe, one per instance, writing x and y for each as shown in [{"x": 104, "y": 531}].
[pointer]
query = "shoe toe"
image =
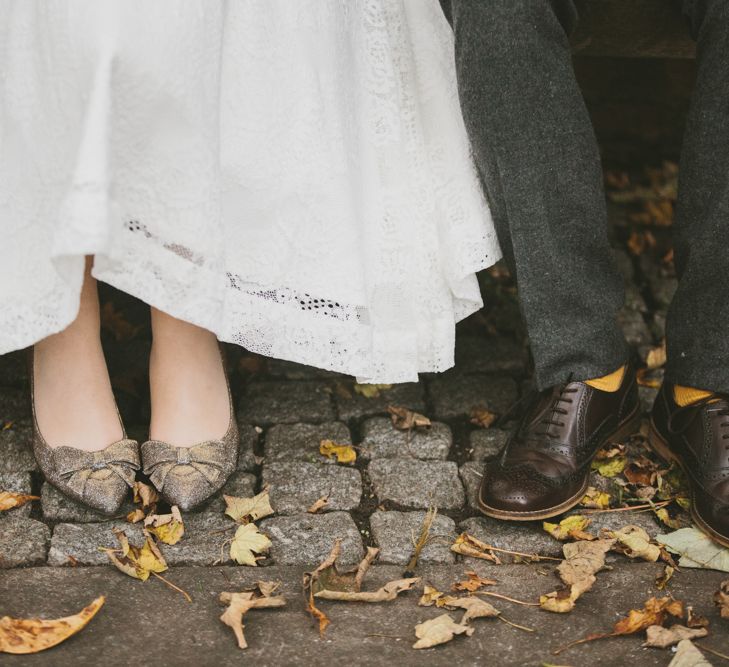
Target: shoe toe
[
  {"x": 187, "y": 488},
  {"x": 105, "y": 493}
]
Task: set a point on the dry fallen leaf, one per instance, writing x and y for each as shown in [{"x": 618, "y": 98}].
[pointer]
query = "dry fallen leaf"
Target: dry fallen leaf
[
  {"x": 137, "y": 562},
  {"x": 10, "y": 500},
  {"x": 240, "y": 603},
  {"x": 167, "y": 528},
  {"x": 475, "y": 607},
  {"x": 246, "y": 510},
  {"x": 311, "y": 580},
  {"x": 468, "y": 545},
  {"x": 439, "y": 630},
  {"x": 582, "y": 561},
  {"x": 247, "y": 542},
  {"x": 721, "y": 599},
  {"x": 696, "y": 549},
  {"x": 634, "y": 542},
  {"x": 31, "y": 635},
  {"x": 483, "y": 417},
  {"x": 570, "y": 528},
  {"x": 645, "y": 378},
  {"x": 660, "y": 637},
  {"x": 343, "y": 453},
  {"x": 370, "y": 390},
  {"x": 687, "y": 655},
  {"x": 430, "y": 596},
  {"x": 318, "y": 505},
  {"x": 405, "y": 420},
  {"x": 136, "y": 515},
  {"x": 145, "y": 494},
  {"x": 610, "y": 467},
  {"x": 595, "y": 499},
  {"x": 656, "y": 356},
  {"x": 664, "y": 577},
  {"x": 385, "y": 593},
  {"x": 473, "y": 583}
]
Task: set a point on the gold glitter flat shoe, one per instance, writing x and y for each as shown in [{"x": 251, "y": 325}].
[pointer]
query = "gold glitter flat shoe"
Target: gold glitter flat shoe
[
  {"x": 97, "y": 479},
  {"x": 187, "y": 476}
]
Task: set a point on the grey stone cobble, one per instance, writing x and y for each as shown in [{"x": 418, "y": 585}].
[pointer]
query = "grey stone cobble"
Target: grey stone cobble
[
  {"x": 14, "y": 405},
  {"x": 300, "y": 442},
  {"x": 382, "y": 440},
  {"x": 246, "y": 450},
  {"x": 486, "y": 443},
  {"x": 285, "y": 402},
  {"x": 306, "y": 539},
  {"x": 23, "y": 541},
  {"x": 417, "y": 484},
  {"x": 295, "y": 486},
  {"x": 471, "y": 473},
  {"x": 456, "y": 396},
  {"x": 489, "y": 355},
  {"x": 527, "y": 537},
  {"x": 17, "y": 482},
  {"x": 396, "y": 534},
  {"x": 16, "y": 454},
  {"x": 351, "y": 405}
]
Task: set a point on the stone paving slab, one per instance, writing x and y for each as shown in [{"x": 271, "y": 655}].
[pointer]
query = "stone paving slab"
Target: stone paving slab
[
  {"x": 381, "y": 440},
  {"x": 306, "y": 539},
  {"x": 369, "y": 635},
  {"x": 282, "y": 402},
  {"x": 396, "y": 534},
  {"x": 16, "y": 453},
  {"x": 248, "y": 439},
  {"x": 487, "y": 443},
  {"x": 456, "y": 395},
  {"x": 17, "y": 482},
  {"x": 296, "y": 486},
  {"x": 24, "y": 542},
  {"x": 417, "y": 484},
  {"x": 351, "y": 405},
  {"x": 300, "y": 442}
]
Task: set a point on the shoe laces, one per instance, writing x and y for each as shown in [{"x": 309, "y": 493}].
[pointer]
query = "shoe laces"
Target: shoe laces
[
  {"x": 561, "y": 396},
  {"x": 694, "y": 409}
]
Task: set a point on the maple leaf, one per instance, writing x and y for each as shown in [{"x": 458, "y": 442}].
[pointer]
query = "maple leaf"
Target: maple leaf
[
  {"x": 635, "y": 543},
  {"x": 247, "y": 542},
  {"x": 245, "y": 510},
  {"x": 137, "y": 562},
  {"x": 167, "y": 528},
  {"x": 31, "y": 635}
]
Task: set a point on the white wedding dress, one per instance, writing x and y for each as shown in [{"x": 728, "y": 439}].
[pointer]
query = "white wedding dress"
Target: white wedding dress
[{"x": 293, "y": 175}]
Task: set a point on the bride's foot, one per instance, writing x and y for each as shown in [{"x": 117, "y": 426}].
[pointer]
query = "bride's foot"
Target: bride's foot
[
  {"x": 193, "y": 446},
  {"x": 78, "y": 438},
  {"x": 74, "y": 403}
]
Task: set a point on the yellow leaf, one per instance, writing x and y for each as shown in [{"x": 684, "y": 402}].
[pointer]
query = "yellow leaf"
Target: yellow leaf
[
  {"x": 430, "y": 596},
  {"x": 9, "y": 500},
  {"x": 482, "y": 417},
  {"x": 572, "y": 527},
  {"x": 656, "y": 356},
  {"x": 595, "y": 499},
  {"x": 636, "y": 543},
  {"x": 145, "y": 494},
  {"x": 248, "y": 542},
  {"x": 371, "y": 390},
  {"x": 248, "y": 509},
  {"x": 137, "y": 562},
  {"x": 31, "y": 635},
  {"x": 167, "y": 528},
  {"x": 610, "y": 467},
  {"x": 439, "y": 630},
  {"x": 343, "y": 453}
]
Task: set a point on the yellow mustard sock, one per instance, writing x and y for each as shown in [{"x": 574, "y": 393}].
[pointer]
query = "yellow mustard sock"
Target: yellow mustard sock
[
  {"x": 609, "y": 382},
  {"x": 687, "y": 395}
]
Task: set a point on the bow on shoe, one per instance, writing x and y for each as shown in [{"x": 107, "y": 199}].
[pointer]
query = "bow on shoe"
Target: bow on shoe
[
  {"x": 75, "y": 466},
  {"x": 208, "y": 458}
]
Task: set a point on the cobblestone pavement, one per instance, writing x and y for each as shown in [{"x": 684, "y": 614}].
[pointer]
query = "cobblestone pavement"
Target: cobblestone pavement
[{"x": 284, "y": 410}]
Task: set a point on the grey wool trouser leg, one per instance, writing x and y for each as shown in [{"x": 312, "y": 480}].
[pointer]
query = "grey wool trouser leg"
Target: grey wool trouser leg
[
  {"x": 538, "y": 158},
  {"x": 697, "y": 329}
]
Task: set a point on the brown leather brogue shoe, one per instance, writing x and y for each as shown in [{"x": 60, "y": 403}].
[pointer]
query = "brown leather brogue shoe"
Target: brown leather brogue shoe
[
  {"x": 544, "y": 468},
  {"x": 697, "y": 438}
]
